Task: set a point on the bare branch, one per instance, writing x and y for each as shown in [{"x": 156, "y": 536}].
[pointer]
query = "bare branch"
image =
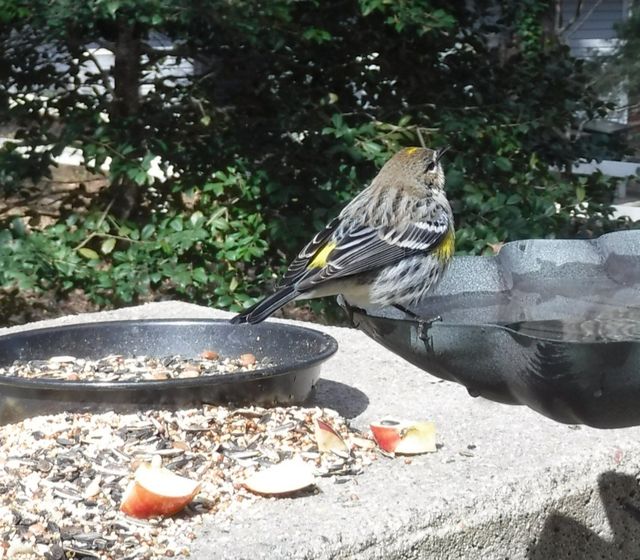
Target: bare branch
[
  {"x": 573, "y": 23},
  {"x": 106, "y": 79},
  {"x": 560, "y": 29}
]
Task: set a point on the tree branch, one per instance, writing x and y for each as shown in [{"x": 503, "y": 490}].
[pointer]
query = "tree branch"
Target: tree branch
[
  {"x": 560, "y": 29},
  {"x": 586, "y": 16},
  {"x": 106, "y": 79}
]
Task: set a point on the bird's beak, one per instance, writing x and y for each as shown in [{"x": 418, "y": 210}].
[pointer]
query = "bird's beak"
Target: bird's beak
[{"x": 441, "y": 151}]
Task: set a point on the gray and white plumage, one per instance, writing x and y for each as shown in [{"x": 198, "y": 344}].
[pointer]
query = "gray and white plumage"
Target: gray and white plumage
[{"x": 388, "y": 246}]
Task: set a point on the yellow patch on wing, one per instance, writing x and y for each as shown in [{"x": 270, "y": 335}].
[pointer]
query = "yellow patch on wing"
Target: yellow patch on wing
[
  {"x": 446, "y": 247},
  {"x": 322, "y": 255}
]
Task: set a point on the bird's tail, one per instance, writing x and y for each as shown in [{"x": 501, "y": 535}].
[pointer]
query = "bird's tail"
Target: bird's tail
[{"x": 261, "y": 310}]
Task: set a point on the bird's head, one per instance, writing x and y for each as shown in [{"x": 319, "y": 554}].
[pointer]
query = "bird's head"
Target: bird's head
[{"x": 419, "y": 166}]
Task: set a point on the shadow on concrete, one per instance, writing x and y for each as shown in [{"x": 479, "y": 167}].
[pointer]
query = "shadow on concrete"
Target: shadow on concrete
[
  {"x": 563, "y": 538},
  {"x": 346, "y": 400}
]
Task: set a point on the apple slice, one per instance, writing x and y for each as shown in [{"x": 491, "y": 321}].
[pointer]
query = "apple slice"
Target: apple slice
[
  {"x": 362, "y": 443},
  {"x": 328, "y": 439},
  {"x": 285, "y": 477},
  {"x": 404, "y": 437},
  {"x": 156, "y": 491}
]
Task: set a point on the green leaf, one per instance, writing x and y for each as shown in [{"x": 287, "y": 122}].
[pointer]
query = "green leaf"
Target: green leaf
[
  {"x": 199, "y": 275},
  {"x": 147, "y": 231},
  {"x": 107, "y": 245},
  {"x": 372, "y": 147},
  {"x": 225, "y": 301},
  {"x": 503, "y": 163},
  {"x": 88, "y": 253},
  {"x": 233, "y": 285},
  {"x": 176, "y": 224},
  {"x": 112, "y": 6},
  {"x": 216, "y": 187},
  {"x": 196, "y": 218},
  {"x": 317, "y": 35}
]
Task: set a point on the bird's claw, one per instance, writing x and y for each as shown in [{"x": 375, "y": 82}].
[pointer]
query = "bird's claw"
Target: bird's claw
[{"x": 423, "y": 328}]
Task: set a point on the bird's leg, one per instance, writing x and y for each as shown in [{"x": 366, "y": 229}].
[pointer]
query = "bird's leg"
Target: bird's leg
[
  {"x": 423, "y": 324},
  {"x": 406, "y": 311},
  {"x": 349, "y": 310}
]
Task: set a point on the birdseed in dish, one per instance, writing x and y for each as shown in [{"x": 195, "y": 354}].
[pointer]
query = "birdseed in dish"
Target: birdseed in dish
[{"x": 137, "y": 368}]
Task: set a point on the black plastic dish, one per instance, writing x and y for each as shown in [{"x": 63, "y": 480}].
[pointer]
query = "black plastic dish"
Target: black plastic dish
[
  {"x": 295, "y": 352},
  {"x": 551, "y": 324}
]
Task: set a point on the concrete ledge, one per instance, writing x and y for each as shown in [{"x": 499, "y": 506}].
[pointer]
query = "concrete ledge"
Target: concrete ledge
[{"x": 506, "y": 484}]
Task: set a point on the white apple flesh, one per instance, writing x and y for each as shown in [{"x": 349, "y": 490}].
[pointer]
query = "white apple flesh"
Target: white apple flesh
[{"x": 285, "y": 477}]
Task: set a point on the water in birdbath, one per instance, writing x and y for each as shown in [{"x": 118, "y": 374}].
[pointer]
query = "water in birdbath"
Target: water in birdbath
[{"x": 584, "y": 311}]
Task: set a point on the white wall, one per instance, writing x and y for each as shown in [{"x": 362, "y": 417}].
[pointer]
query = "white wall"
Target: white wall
[{"x": 593, "y": 32}]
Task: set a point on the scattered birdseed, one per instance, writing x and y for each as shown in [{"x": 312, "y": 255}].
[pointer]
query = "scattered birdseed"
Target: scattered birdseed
[
  {"x": 62, "y": 477},
  {"x": 138, "y": 368}
]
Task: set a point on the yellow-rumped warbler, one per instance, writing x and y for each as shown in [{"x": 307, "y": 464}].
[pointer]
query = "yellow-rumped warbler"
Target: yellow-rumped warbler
[{"x": 389, "y": 245}]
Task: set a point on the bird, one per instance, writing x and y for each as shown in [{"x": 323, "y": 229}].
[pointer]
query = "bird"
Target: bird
[{"x": 389, "y": 246}]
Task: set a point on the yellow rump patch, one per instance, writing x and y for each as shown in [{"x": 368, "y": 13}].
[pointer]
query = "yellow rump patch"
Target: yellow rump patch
[
  {"x": 446, "y": 247},
  {"x": 322, "y": 255}
]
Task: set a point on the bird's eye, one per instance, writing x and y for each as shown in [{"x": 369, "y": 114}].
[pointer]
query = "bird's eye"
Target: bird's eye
[{"x": 431, "y": 166}]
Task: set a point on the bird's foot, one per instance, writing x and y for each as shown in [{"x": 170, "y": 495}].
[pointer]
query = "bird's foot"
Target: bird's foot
[
  {"x": 423, "y": 324},
  {"x": 423, "y": 328}
]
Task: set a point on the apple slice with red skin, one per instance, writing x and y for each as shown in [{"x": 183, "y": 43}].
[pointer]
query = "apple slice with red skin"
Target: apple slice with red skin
[
  {"x": 156, "y": 491},
  {"x": 404, "y": 437},
  {"x": 328, "y": 439}
]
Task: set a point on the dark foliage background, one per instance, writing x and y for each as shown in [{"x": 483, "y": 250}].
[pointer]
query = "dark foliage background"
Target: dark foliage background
[{"x": 291, "y": 108}]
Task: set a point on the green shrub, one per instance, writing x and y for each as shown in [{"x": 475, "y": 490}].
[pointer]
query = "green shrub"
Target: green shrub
[
  {"x": 294, "y": 107},
  {"x": 209, "y": 259}
]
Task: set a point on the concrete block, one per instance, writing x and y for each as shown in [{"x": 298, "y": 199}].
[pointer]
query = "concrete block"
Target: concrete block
[{"x": 506, "y": 484}]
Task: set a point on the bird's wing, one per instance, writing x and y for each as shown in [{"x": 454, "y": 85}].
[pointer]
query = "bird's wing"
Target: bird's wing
[
  {"x": 367, "y": 248},
  {"x": 299, "y": 265}
]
